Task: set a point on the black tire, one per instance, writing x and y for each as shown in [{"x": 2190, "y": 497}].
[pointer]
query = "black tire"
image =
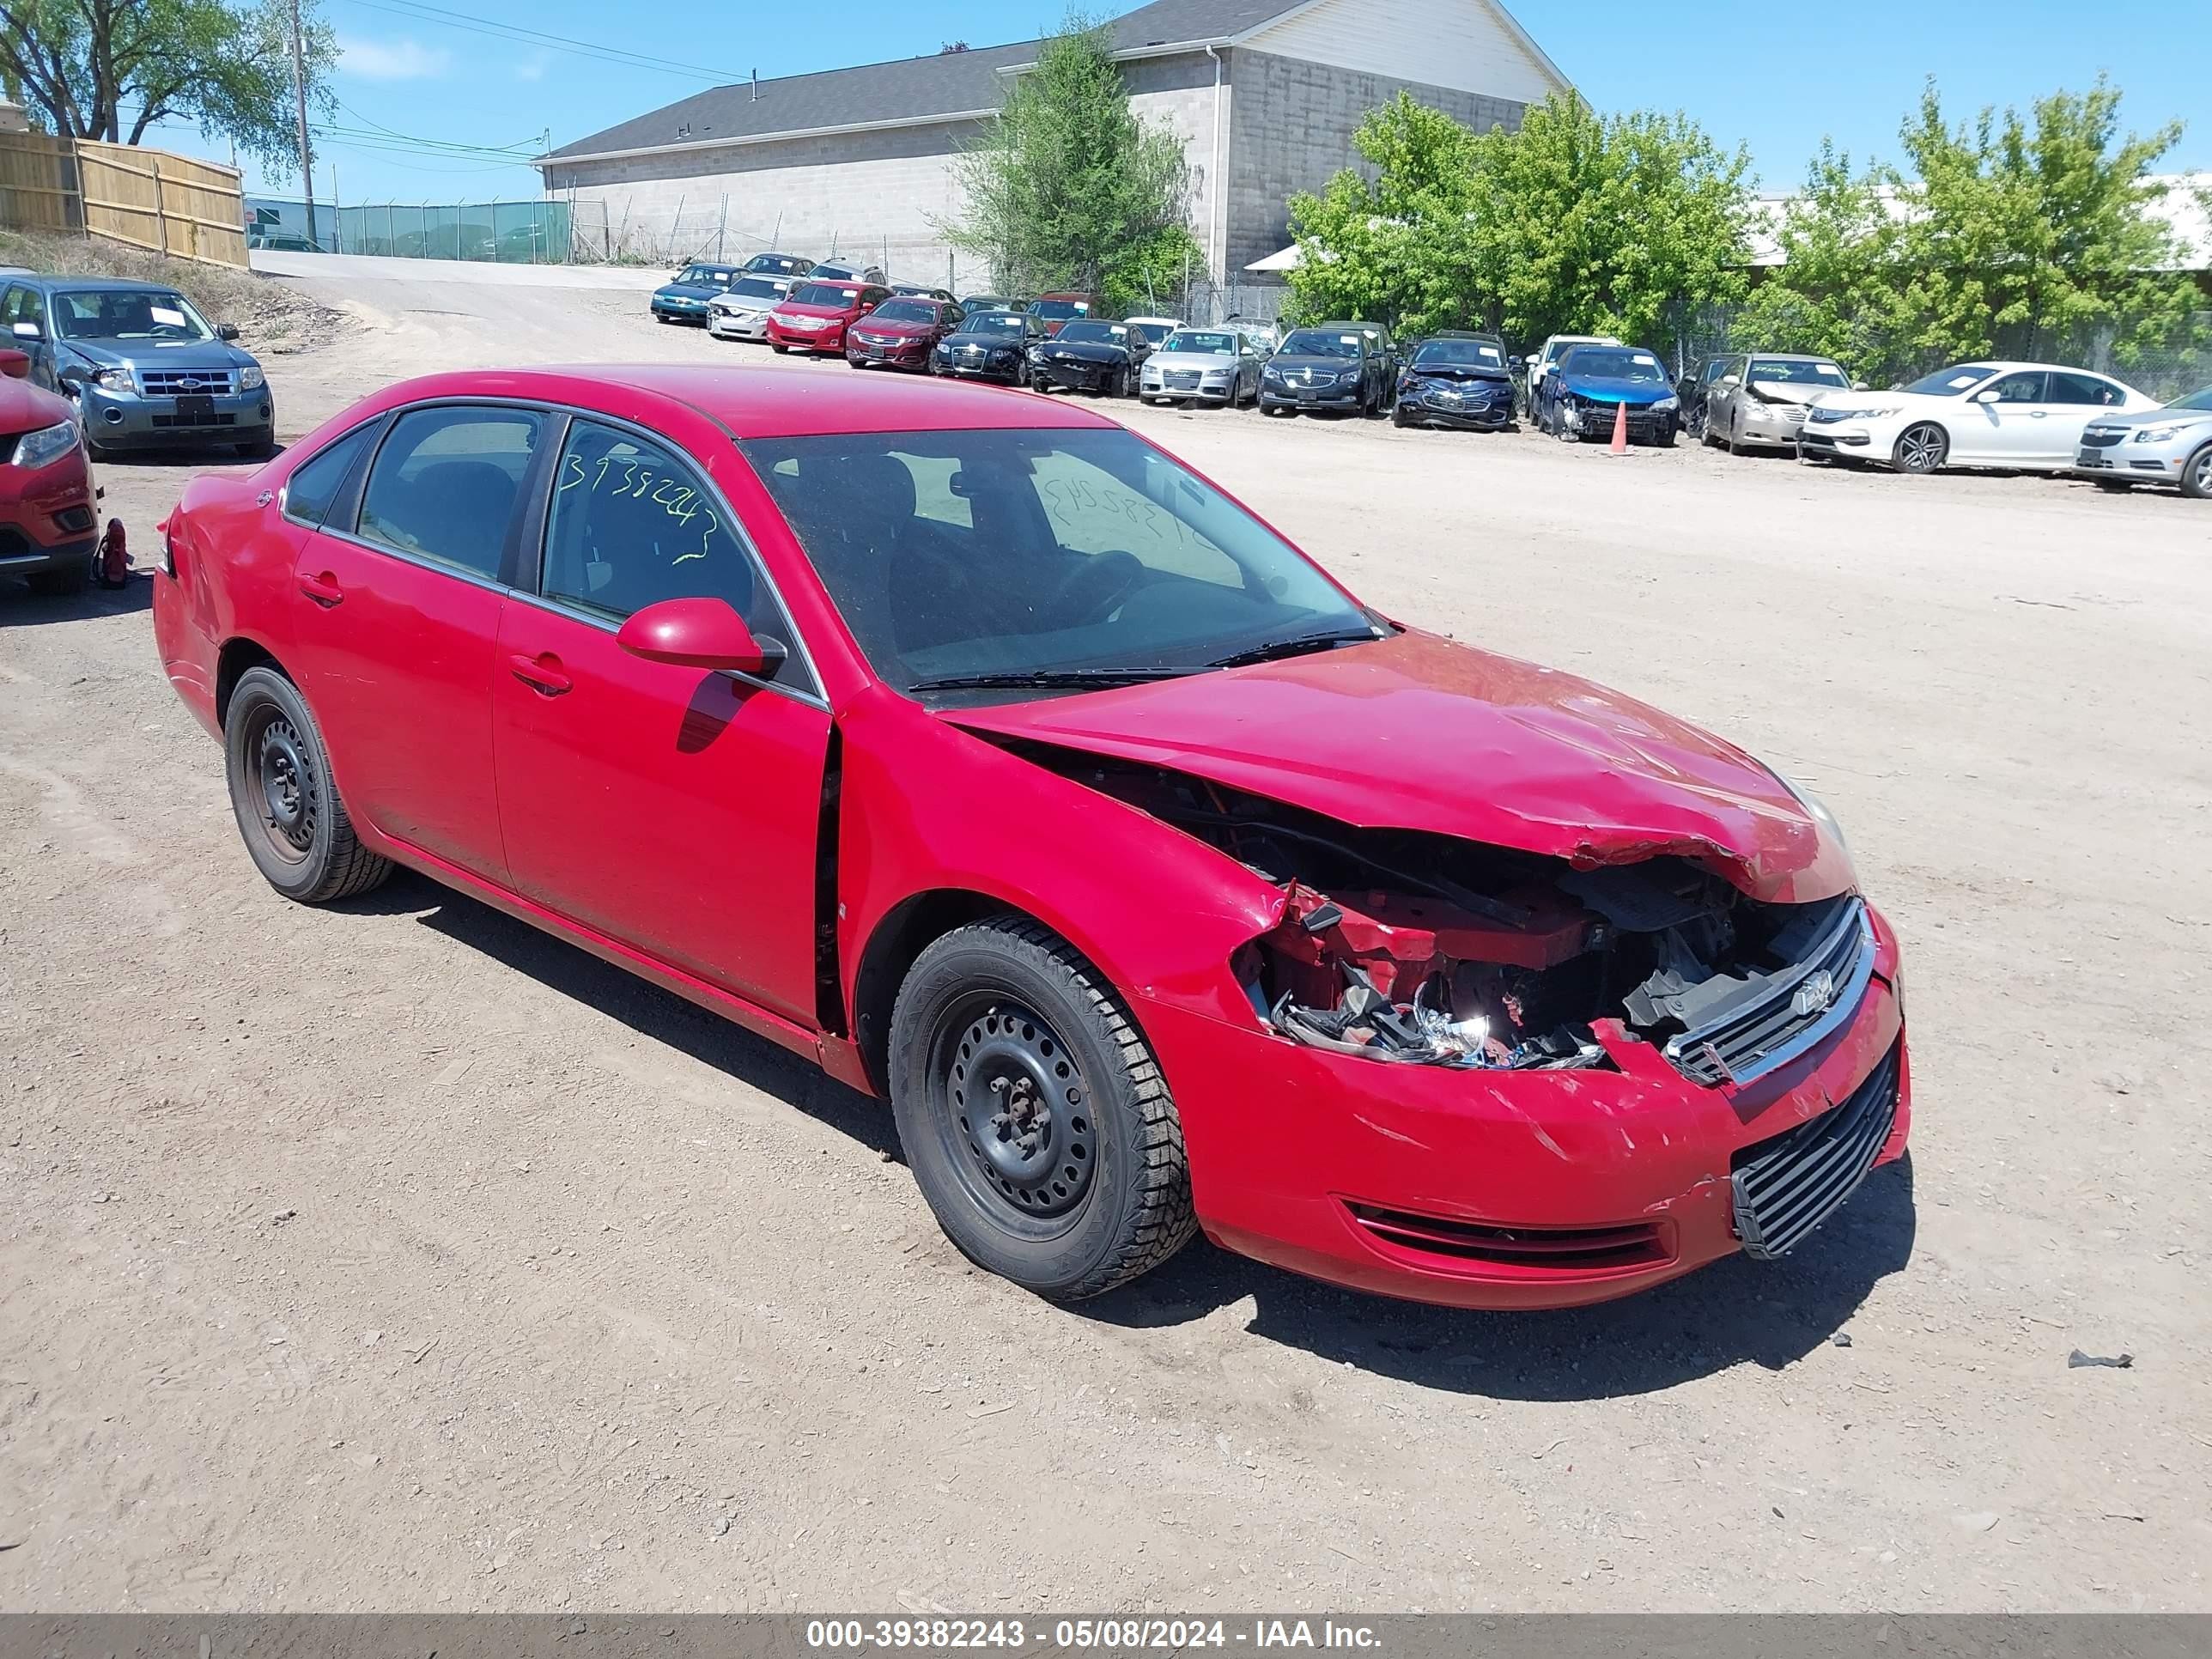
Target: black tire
[
  {"x": 2196, "y": 475},
  {"x": 294, "y": 825},
  {"x": 71, "y": 578},
  {"x": 1085, "y": 1186},
  {"x": 2119, "y": 486},
  {"x": 1735, "y": 434},
  {"x": 258, "y": 449},
  {"x": 1040, "y": 385},
  {"x": 1398, "y": 417},
  {"x": 778, "y": 347},
  {"x": 1920, "y": 449}
]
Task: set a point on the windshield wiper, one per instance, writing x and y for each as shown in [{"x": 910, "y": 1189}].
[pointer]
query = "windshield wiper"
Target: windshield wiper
[
  {"x": 1303, "y": 645},
  {"x": 1047, "y": 676}
]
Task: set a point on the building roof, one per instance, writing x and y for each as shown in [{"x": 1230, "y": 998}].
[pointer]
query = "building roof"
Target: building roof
[{"x": 948, "y": 85}]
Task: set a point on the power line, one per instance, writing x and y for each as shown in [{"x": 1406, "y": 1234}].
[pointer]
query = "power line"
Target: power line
[{"x": 428, "y": 14}]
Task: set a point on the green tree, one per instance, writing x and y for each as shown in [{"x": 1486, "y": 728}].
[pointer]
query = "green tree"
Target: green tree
[
  {"x": 1577, "y": 222},
  {"x": 2034, "y": 237},
  {"x": 1067, "y": 188}
]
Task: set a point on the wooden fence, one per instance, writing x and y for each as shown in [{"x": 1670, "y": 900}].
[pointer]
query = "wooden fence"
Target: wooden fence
[{"x": 146, "y": 198}]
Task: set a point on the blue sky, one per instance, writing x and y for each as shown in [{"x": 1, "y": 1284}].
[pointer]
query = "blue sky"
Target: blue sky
[{"x": 1776, "y": 76}]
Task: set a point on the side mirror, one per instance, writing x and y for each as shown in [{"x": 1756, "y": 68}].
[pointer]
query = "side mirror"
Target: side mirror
[
  {"x": 30, "y": 331},
  {"x": 226, "y": 331},
  {"x": 1860, "y": 386},
  {"x": 1730, "y": 379},
  {"x": 1988, "y": 394},
  {"x": 16, "y": 365},
  {"x": 698, "y": 634}
]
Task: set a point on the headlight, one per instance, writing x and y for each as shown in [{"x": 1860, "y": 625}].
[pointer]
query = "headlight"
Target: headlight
[
  {"x": 48, "y": 443},
  {"x": 1273, "y": 375},
  {"x": 2157, "y": 434},
  {"x": 113, "y": 380},
  {"x": 1036, "y": 354},
  {"x": 250, "y": 378},
  {"x": 1668, "y": 406}
]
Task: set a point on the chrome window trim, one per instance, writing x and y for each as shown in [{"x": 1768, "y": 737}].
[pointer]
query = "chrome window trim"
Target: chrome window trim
[
  {"x": 800, "y": 649},
  {"x": 1840, "y": 1013},
  {"x": 561, "y": 608},
  {"x": 399, "y": 414},
  {"x": 418, "y": 561}
]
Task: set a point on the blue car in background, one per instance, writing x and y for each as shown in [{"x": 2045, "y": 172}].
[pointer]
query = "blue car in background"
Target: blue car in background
[
  {"x": 144, "y": 369},
  {"x": 685, "y": 299},
  {"x": 1581, "y": 397}
]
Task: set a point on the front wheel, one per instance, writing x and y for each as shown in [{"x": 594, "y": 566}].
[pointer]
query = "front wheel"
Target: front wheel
[
  {"x": 1920, "y": 449},
  {"x": 2196, "y": 475},
  {"x": 778, "y": 347},
  {"x": 296, "y": 828},
  {"x": 1033, "y": 1114}
]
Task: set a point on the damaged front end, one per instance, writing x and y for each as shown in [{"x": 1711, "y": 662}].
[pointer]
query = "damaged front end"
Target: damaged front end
[{"x": 1408, "y": 947}]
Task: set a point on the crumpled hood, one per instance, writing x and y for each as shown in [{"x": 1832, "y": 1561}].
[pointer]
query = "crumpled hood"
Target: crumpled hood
[
  {"x": 1418, "y": 732},
  {"x": 160, "y": 354},
  {"x": 1464, "y": 372},
  {"x": 1604, "y": 387},
  {"x": 1084, "y": 351},
  {"x": 26, "y": 408}
]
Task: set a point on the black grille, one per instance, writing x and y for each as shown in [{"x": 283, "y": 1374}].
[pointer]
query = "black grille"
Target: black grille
[
  {"x": 194, "y": 421},
  {"x": 1541, "y": 1250},
  {"x": 1786, "y": 1187},
  {"x": 2094, "y": 439},
  {"x": 1747, "y": 1042}
]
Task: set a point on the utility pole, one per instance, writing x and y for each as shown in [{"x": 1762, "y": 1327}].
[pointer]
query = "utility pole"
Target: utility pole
[{"x": 300, "y": 104}]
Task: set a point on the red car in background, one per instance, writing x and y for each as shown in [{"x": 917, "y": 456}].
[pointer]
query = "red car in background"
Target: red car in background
[
  {"x": 816, "y": 314},
  {"x": 48, "y": 528},
  {"x": 1057, "y": 311},
  {"x": 979, "y": 750},
  {"x": 902, "y": 332}
]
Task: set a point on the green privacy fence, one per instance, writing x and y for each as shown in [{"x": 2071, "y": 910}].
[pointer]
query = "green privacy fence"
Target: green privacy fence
[{"x": 501, "y": 233}]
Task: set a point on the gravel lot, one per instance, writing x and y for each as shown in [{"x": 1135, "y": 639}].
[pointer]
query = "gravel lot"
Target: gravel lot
[{"x": 395, "y": 1256}]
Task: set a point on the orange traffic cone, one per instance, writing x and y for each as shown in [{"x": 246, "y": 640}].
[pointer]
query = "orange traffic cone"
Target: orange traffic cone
[{"x": 1620, "y": 429}]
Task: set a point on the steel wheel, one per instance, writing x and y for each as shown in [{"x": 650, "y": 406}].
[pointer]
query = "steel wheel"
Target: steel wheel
[
  {"x": 1920, "y": 449},
  {"x": 288, "y": 791},
  {"x": 1015, "y": 1111}
]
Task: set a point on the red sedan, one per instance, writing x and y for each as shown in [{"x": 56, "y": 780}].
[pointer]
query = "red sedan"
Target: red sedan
[
  {"x": 901, "y": 333},
  {"x": 48, "y": 531},
  {"x": 816, "y": 315},
  {"x": 983, "y": 752}
]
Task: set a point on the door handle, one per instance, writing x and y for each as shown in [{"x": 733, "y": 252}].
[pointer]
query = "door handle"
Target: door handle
[
  {"x": 324, "y": 589},
  {"x": 541, "y": 674},
  {"x": 2039, "y": 414}
]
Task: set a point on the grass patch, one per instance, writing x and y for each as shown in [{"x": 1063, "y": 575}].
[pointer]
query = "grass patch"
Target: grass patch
[{"x": 274, "y": 318}]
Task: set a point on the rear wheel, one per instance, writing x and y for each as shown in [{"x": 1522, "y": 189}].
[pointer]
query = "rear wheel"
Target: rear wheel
[
  {"x": 1033, "y": 1114},
  {"x": 2196, "y": 475},
  {"x": 296, "y": 828},
  {"x": 1920, "y": 449}
]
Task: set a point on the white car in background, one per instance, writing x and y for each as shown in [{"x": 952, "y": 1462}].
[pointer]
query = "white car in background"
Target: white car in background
[
  {"x": 1557, "y": 346},
  {"x": 740, "y": 311},
  {"x": 2029, "y": 416}
]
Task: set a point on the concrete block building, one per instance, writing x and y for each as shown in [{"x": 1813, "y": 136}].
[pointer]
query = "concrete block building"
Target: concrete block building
[{"x": 859, "y": 162}]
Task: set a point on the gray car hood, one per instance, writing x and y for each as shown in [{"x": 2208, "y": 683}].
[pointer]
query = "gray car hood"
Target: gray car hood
[
  {"x": 2169, "y": 416},
  {"x": 160, "y": 354},
  {"x": 1199, "y": 360}
]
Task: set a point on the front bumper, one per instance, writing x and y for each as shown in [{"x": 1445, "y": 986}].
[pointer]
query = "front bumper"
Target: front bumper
[
  {"x": 681, "y": 311},
  {"x": 1844, "y": 442},
  {"x": 1505, "y": 1189},
  {"x": 1769, "y": 424},
  {"x": 1333, "y": 397},
  {"x": 724, "y": 326},
  {"x": 900, "y": 354},
  {"x": 49, "y": 518},
  {"x": 2138, "y": 463},
  {"x": 1431, "y": 408},
  {"x": 963, "y": 368},
  {"x": 119, "y": 420},
  {"x": 1194, "y": 390},
  {"x": 831, "y": 338},
  {"x": 1645, "y": 425},
  {"x": 1075, "y": 377}
]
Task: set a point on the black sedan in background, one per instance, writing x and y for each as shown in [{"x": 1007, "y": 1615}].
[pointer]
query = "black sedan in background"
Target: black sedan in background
[
  {"x": 990, "y": 345},
  {"x": 1090, "y": 357},
  {"x": 1336, "y": 367},
  {"x": 1457, "y": 380}
]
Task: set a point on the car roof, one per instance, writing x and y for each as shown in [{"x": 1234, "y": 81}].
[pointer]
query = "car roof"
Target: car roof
[
  {"x": 766, "y": 402},
  {"x": 108, "y": 284},
  {"x": 1786, "y": 356}
]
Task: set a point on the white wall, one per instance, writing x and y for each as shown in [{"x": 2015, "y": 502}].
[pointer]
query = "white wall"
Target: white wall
[{"x": 1465, "y": 45}]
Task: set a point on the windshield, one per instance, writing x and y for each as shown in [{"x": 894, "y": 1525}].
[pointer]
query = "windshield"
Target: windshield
[
  {"x": 1474, "y": 354},
  {"x": 781, "y": 264},
  {"x": 1614, "y": 363},
  {"x": 1950, "y": 382},
  {"x": 1201, "y": 344},
  {"x": 987, "y": 552},
  {"x": 707, "y": 277},
  {"x": 1321, "y": 343},
  {"x": 1051, "y": 309},
  {"x": 1011, "y": 323},
  {"x": 2195, "y": 400},
  {"x": 1788, "y": 371},
  {"x": 826, "y": 294},
  {"x": 757, "y": 287},
  {"x": 1094, "y": 334},
  {"x": 129, "y": 313},
  {"x": 903, "y": 311}
]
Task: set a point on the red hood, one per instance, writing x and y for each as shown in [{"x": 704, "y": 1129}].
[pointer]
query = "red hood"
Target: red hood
[
  {"x": 906, "y": 331},
  {"x": 1418, "y": 733},
  {"x": 793, "y": 308},
  {"x": 26, "y": 408}
]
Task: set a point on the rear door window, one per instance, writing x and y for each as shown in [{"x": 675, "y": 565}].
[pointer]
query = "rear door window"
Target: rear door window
[
  {"x": 315, "y": 484},
  {"x": 2084, "y": 389},
  {"x": 447, "y": 482}
]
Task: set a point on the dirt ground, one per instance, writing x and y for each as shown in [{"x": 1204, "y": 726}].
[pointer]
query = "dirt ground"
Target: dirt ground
[{"x": 394, "y": 1257}]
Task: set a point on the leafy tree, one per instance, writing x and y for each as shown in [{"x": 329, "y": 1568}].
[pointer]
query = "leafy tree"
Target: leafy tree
[
  {"x": 1067, "y": 188},
  {"x": 110, "y": 68},
  {"x": 1575, "y": 223},
  {"x": 2032, "y": 237}
]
